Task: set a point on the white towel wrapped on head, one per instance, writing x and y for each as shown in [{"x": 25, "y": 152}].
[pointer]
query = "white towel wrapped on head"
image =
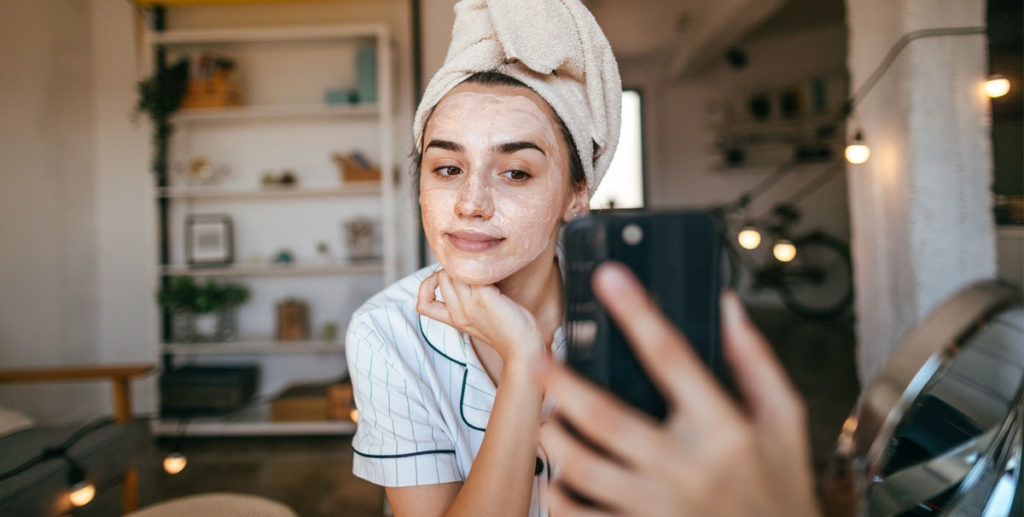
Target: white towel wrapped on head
[{"x": 553, "y": 46}]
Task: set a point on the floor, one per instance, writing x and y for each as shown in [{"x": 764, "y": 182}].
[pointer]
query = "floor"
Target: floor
[{"x": 312, "y": 475}]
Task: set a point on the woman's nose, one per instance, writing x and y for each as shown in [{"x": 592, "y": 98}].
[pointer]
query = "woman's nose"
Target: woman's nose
[{"x": 474, "y": 198}]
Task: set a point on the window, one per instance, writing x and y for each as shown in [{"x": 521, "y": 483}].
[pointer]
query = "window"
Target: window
[{"x": 623, "y": 185}]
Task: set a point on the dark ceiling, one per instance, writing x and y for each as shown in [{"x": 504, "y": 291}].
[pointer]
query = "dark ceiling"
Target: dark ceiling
[{"x": 799, "y": 15}]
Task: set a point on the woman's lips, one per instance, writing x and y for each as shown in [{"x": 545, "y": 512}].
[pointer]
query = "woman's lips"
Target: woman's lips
[{"x": 473, "y": 241}]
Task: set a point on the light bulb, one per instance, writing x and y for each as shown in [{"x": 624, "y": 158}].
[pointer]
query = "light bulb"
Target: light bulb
[
  {"x": 175, "y": 462},
  {"x": 784, "y": 250},
  {"x": 354, "y": 415},
  {"x": 749, "y": 238},
  {"x": 857, "y": 153},
  {"x": 81, "y": 493},
  {"x": 996, "y": 86}
]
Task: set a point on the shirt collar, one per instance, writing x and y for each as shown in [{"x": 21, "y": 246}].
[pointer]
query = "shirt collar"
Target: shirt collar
[{"x": 443, "y": 339}]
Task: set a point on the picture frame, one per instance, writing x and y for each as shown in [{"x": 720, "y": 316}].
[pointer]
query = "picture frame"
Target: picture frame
[
  {"x": 362, "y": 239},
  {"x": 209, "y": 240}
]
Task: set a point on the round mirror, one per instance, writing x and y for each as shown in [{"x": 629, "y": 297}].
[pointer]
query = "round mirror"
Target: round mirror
[{"x": 939, "y": 431}]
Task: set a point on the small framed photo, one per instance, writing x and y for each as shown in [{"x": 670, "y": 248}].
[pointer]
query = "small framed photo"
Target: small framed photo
[{"x": 209, "y": 240}]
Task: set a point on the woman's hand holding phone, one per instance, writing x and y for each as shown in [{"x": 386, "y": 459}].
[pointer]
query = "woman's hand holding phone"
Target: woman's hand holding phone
[
  {"x": 485, "y": 314},
  {"x": 710, "y": 456}
]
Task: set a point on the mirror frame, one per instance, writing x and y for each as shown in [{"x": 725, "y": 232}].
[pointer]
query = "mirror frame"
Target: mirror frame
[{"x": 930, "y": 348}]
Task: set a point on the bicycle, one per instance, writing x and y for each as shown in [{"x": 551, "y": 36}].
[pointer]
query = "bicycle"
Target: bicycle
[{"x": 812, "y": 272}]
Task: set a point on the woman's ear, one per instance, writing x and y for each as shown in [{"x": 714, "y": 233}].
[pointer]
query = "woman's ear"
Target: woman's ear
[{"x": 578, "y": 206}]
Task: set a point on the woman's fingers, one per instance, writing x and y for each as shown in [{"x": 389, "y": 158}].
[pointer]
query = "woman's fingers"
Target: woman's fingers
[
  {"x": 427, "y": 304},
  {"x": 590, "y": 474},
  {"x": 666, "y": 355},
  {"x": 762, "y": 380},
  {"x": 463, "y": 291},
  {"x": 603, "y": 420},
  {"x": 451, "y": 300}
]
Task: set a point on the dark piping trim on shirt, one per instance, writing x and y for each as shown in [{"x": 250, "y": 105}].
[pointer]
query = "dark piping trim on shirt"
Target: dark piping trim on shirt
[
  {"x": 465, "y": 375},
  {"x": 406, "y": 455}
]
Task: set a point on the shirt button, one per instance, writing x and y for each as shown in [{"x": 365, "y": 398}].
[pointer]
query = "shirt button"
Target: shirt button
[{"x": 539, "y": 467}]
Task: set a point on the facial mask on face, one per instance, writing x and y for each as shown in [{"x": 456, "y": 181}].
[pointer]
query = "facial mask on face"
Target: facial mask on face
[{"x": 482, "y": 224}]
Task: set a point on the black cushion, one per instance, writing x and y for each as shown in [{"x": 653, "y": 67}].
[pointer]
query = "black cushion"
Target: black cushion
[{"x": 105, "y": 454}]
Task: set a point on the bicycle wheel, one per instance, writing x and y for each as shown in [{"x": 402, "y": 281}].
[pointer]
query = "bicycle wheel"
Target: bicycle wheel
[{"x": 818, "y": 283}]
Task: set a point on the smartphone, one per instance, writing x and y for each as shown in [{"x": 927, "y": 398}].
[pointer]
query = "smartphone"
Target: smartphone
[{"x": 676, "y": 257}]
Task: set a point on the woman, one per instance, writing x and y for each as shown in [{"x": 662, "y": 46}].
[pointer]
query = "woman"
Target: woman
[{"x": 513, "y": 135}]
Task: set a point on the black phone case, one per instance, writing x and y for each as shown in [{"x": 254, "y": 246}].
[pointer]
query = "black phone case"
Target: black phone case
[{"x": 676, "y": 256}]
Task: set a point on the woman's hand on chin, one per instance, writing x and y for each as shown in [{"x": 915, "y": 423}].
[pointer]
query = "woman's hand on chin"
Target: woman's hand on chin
[{"x": 484, "y": 313}]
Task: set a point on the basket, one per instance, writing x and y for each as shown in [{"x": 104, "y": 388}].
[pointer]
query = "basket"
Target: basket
[{"x": 216, "y": 92}]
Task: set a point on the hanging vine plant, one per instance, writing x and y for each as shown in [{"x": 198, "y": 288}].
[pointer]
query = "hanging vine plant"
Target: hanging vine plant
[{"x": 159, "y": 97}]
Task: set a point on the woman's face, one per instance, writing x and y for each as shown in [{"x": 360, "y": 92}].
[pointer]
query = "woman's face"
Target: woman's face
[{"x": 494, "y": 185}]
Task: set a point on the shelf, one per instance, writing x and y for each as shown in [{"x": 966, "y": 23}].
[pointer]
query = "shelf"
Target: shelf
[
  {"x": 265, "y": 34},
  {"x": 249, "y": 422},
  {"x": 257, "y": 112},
  {"x": 783, "y": 123},
  {"x": 266, "y": 192},
  {"x": 278, "y": 111},
  {"x": 275, "y": 269},
  {"x": 254, "y": 348}
]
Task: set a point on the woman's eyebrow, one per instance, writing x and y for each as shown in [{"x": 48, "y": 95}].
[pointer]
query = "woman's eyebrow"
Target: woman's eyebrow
[
  {"x": 445, "y": 145},
  {"x": 511, "y": 147}
]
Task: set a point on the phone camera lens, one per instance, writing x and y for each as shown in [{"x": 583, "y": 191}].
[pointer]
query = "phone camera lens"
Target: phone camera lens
[{"x": 632, "y": 234}]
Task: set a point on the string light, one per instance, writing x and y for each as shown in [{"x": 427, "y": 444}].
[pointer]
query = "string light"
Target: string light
[
  {"x": 82, "y": 491},
  {"x": 857, "y": 152},
  {"x": 175, "y": 462},
  {"x": 996, "y": 86},
  {"x": 784, "y": 250},
  {"x": 749, "y": 238}
]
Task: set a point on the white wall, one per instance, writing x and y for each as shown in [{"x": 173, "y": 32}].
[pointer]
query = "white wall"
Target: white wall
[
  {"x": 125, "y": 216},
  {"x": 436, "y": 20},
  {"x": 921, "y": 206},
  {"x": 48, "y": 228}
]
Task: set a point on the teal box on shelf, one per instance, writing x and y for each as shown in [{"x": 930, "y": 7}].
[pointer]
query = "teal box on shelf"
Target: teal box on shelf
[
  {"x": 366, "y": 72},
  {"x": 337, "y": 96}
]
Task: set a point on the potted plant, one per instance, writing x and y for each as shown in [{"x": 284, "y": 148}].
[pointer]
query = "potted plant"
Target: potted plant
[
  {"x": 202, "y": 312},
  {"x": 159, "y": 97}
]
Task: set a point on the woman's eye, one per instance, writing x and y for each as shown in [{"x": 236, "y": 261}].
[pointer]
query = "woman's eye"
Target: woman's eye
[
  {"x": 447, "y": 170},
  {"x": 516, "y": 175}
]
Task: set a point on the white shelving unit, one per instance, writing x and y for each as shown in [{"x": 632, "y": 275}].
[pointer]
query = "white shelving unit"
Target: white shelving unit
[
  {"x": 283, "y": 122},
  {"x": 277, "y": 270},
  {"x": 251, "y": 422},
  {"x": 266, "y": 192},
  {"x": 254, "y": 348},
  {"x": 199, "y": 115}
]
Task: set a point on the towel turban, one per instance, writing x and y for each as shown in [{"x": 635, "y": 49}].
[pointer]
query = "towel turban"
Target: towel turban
[{"x": 556, "y": 48}]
